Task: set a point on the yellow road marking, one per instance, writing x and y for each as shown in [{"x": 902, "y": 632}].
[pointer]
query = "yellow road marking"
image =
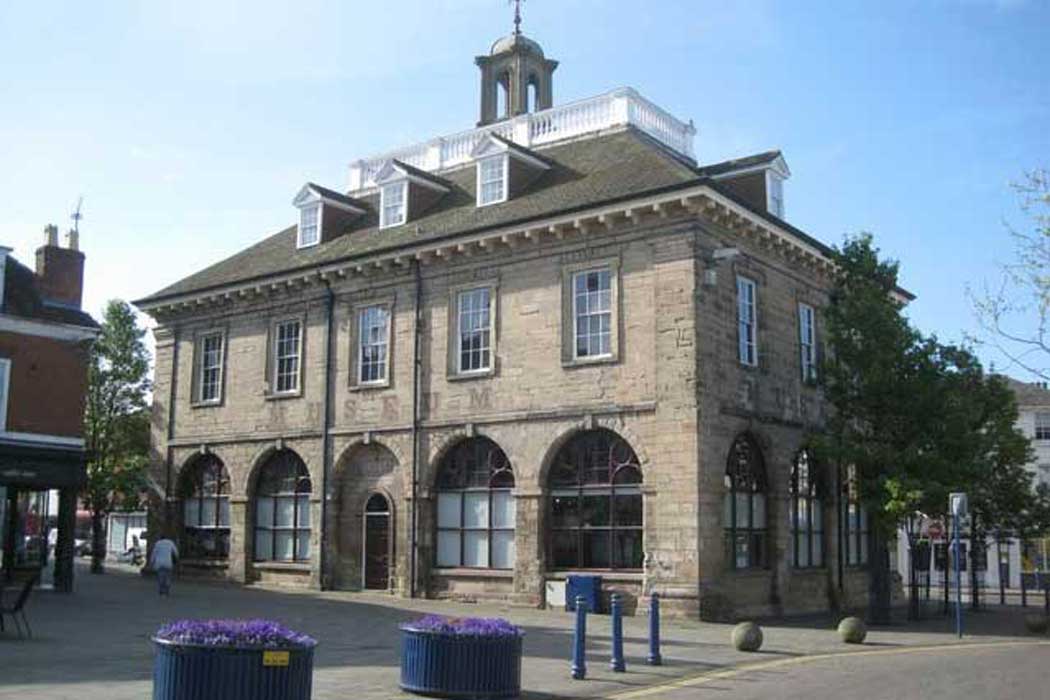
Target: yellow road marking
[{"x": 711, "y": 676}]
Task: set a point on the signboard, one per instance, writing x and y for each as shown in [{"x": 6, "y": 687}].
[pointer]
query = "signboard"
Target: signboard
[{"x": 275, "y": 658}]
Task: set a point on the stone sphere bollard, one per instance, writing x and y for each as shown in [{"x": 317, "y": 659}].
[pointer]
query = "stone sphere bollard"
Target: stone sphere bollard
[
  {"x": 747, "y": 636},
  {"x": 1037, "y": 623},
  {"x": 853, "y": 630}
]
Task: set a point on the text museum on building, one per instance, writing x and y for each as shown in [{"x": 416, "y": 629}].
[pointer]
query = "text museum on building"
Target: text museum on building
[{"x": 551, "y": 343}]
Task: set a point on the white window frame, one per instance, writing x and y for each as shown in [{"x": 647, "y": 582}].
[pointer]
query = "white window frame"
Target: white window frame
[
  {"x": 504, "y": 179},
  {"x": 610, "y": 312},
  {"x": 807, "y": 341},
  {"x": 774, "y": 194},
  {"x": 362, "y": 344},
  {"x": 5, "y": 391},
  {"x": 277, "y": 356},
  {"x": 202, "y": 367},
  {"x": 747, "y": 330},
  {"x": 487, "y": 332},
  {"x": 1041, "y": 427},
  {"x": 301, "y": 241},
  {"x": 384, "y": 192}
]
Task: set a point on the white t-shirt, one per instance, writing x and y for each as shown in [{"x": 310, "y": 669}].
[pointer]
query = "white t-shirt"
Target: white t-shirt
[{"x": 164, "y": 554}]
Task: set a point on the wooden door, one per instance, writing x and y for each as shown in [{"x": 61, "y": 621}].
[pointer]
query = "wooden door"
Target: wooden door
[{"x": 377, "y": 544}]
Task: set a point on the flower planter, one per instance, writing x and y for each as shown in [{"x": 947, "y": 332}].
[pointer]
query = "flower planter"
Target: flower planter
[
  {"x": 191, "y": 670},
  {"x": 460, "y": 664}
]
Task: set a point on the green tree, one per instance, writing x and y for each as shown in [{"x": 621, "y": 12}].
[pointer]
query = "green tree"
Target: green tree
[{"x": 116, "y": 421}]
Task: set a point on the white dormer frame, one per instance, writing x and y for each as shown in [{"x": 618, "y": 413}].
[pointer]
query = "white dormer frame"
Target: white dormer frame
[
  {"x": 504, "y": 164},
  {"x": 492, "y": 147},
  {"x": 310, "y": 197},
  {"x": 393, "y": 174},
  {"x": 775, "y": 172}
]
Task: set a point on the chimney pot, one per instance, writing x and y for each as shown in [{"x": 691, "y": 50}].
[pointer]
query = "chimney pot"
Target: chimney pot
[
  {"x": 73, "y": 239},
  {"x": 51, "y": 235}
]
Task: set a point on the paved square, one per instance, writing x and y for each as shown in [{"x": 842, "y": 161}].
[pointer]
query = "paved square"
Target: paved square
[{"x": 96, "y": 642}]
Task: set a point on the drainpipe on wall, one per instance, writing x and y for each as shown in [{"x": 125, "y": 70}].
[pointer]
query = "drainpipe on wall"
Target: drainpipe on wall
[
  {"x": 417, "y": 332},
  {"x": 171, "y": 427},
  {"x": 325, "y": 429}
]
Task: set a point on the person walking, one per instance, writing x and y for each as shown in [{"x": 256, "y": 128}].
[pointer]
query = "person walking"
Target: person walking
[{"x": 163, "y": 559}]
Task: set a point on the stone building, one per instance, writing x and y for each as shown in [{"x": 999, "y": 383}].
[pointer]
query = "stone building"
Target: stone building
[{"x": 551, "y": 343}]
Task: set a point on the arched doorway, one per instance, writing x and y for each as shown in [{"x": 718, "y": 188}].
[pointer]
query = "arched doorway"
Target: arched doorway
[{"x": 377, "y": 543}]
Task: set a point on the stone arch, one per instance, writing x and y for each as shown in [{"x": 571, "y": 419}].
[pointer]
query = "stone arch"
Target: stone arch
[
  {"x": 362, "y": 470},
  {"x": 612, "y": 425},
  {"x": 747, "y": 503},
  {"x": 286, "y": 487},
  {"x": 202, "y": 489}
]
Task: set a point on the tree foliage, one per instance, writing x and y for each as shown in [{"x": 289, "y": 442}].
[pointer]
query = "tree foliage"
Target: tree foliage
[
  {"x": 1015, "y": 313},
  {"x": 116, "y": 420},
  {"x": 915, "y": 417}
]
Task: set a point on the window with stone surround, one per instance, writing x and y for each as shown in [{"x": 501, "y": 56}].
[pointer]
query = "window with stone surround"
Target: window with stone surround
[
  {"x": 807, "y": 342},
  {"x": 593, "y": 311},
  {"x": 854, "y": 521},
  {"x": 747, "y": 324},
  {"x": 807, "y": 513},
  {"x": 287, "y": 356},
  {"x": 595, "y": 504},
  {"x": 309, "y": 225},
  {"x": 474, "y": 323},
  {"x": 475, "y": 507},
  {"x": 205, "y": 493},
  {"x": 210, "y": 356},
  {"x": 746, "y": 535},
  {"x": 373, "y": 344},
  {"x": 282, "y": 509}
]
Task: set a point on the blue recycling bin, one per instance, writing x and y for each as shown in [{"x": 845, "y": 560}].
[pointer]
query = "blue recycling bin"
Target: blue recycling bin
[{"x": 590, "y": 587}]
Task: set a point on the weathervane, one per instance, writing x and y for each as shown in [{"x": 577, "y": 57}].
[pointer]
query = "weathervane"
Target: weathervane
[
  {"x": 517, "y": 15},
  {"x": 76, "y": 216}
]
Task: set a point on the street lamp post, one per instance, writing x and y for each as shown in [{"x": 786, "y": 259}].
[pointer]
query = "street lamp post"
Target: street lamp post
[{"x": 957, "y": 506}]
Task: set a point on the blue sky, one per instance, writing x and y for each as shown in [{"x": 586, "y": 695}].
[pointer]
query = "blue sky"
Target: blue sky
[{"x": 188, "y": 126}]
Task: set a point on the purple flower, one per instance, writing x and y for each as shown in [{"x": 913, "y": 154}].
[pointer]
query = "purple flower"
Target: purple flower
[
  {"x": 465, "y": 626},
  {"x": 233, "y": 633}
]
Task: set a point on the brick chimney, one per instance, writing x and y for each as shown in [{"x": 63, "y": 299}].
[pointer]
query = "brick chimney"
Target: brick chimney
[{"x": 60, "y": 271}]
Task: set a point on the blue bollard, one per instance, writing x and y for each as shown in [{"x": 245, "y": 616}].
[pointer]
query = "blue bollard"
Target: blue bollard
[
  {"x": 617, "y": 663},
  {"x": 579, "y": 640},
  {"x": 654, "y": 658}
]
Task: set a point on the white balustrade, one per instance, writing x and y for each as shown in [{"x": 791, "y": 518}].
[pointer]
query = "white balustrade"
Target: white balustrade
[{"x": 618, "y": 108}]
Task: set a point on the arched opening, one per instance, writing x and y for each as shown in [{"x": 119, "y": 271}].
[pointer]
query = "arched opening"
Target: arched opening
[
  {"x": 475, "y": 507},
  {"x": 377, "y": 543},
  {"x": 854, "y": 520},
  {"x": 595, "y": 504},
  {"x": 282, "y": 509},
  {"x": 532, "y": 94},
  {"x": 503, "y": 96},
  {"x": 807, "y": 512},
  {"x": 745, "y": 506},
  {"x": 204, "y": 488}
]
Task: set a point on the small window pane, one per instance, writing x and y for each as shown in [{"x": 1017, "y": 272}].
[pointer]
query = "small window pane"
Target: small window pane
[
  {"x": 285, "y": 512},
  {"x": 224, "y": 512},
  {"x": 476, "y": 509},
  {"x": 263, "y": 544},
  {"x": 475, "y": 548},
  {"x": 303, "y": 511},
  {"x": 743, "y": 510},
  {"x": 629, "y": 509},
  {"x": 596, "y": 553},
  {"x": 304, "y": 545},
  {"x": 448, "y": 549},
  {"x": 503, "y": 550},
  {"x": 503, "y": 509},
  {"x": 628, "y": 549},
  {"x": 449, "y": 509},
  {"x": 208, "y": 515},
  {"x": 283, "y": 542},
  {"x": 264, "y": 511},
  {"x": 759, "y": 518},
  {"x": 191, "y": 513}
]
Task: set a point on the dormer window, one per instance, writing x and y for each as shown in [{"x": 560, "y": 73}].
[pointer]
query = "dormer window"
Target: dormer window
[
  {"x": 775, "y": 194},
  {"x": 310, "y": 225},
  {"x": 323, "y": 214},
  {"x": 492, "y": 180},
  {"x": 393, "y": 204}
]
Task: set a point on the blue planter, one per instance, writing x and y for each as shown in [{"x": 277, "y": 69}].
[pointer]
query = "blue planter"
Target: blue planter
[
  {"x": 198, "y": 672},
  {"x": 446, "y": 665}
]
